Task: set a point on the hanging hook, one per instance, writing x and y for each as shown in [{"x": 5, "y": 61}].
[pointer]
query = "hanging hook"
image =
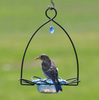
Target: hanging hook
[{"x": 53, "y": 3}]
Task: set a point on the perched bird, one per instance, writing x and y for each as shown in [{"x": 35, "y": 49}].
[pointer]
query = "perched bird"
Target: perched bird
[{"x": 50, "y": 70}]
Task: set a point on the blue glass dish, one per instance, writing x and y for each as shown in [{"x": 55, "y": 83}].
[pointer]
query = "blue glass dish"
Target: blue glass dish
[{"x": 46, "y": 85}]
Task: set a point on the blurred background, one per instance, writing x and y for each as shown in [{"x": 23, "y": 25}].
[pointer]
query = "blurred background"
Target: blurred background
[{"x": 19, "y": 19}]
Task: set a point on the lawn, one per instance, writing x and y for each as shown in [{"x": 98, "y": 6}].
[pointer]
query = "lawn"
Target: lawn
[{"x": 20, "y": 19}]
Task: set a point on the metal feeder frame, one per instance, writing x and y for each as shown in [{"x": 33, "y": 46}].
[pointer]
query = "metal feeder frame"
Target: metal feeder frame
[{"x": 73, "y": 81}]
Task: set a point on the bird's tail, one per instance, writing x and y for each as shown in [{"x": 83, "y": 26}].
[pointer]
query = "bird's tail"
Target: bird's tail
[{"x": 57, "y": 86}]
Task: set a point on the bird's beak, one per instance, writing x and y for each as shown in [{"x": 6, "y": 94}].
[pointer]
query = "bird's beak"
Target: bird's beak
[{"x": 37, "y": 58}]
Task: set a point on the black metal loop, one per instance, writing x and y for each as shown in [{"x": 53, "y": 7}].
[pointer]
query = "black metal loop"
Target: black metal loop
[{"x": 51, "y": 8}]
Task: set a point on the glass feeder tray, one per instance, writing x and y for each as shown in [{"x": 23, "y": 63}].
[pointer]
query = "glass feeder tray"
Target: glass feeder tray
[{"x": 47, "y": 86}]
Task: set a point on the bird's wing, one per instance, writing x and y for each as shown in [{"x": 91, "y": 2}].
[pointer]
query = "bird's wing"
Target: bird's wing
[
  {"x": 52, "y": 73},
  {"x": 53, "y": 64}
]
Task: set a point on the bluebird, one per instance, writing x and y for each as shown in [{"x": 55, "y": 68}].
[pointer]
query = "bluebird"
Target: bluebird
[{"x": 50, "y": 70}]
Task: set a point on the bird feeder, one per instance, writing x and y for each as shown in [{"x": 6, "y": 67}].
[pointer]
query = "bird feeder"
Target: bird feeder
[{"x": 46, "y": 85}]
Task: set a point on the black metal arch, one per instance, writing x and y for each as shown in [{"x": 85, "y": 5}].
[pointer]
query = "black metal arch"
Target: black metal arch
[{"x": 75, "y": 81}]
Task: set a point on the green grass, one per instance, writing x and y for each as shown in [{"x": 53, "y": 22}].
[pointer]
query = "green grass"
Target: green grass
[{"x": 19, "y": 20}]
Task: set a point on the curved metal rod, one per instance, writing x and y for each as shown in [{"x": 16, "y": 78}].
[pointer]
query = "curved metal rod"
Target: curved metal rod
[
  {"x": 73, "y": 48},
  {"x": 27, "y": 48},
  {"x": 53, "y": 3}
]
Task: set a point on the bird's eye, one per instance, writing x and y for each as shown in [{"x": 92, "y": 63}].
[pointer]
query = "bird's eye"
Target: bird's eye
[{"x": 41, "y": 57}]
